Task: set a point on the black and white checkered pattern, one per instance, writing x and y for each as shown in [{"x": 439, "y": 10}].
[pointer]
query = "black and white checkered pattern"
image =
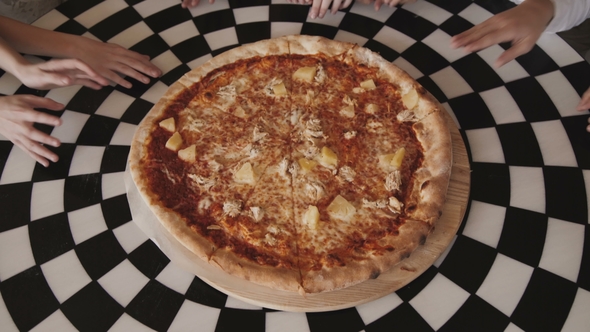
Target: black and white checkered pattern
[{"x": 72, "y": 258}]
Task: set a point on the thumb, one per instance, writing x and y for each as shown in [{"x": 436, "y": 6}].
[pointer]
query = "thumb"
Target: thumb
[{"x": 49, "y": 79}]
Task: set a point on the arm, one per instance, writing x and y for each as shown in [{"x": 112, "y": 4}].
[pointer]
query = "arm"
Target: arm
[
  {"x": 105, "y": 58},
  {"x": 17, "y": 116},
  {"x": 47, "y": 75}
]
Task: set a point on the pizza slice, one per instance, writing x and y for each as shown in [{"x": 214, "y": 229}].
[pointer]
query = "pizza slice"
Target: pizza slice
[{"x": 260, "y": 233}]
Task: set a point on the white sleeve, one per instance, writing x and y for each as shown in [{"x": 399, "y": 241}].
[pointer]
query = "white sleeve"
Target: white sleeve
[{"x": 568, "y": 14}]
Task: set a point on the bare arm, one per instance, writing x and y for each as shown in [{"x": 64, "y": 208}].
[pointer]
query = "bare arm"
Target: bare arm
[{"x": 107, "y": 59}]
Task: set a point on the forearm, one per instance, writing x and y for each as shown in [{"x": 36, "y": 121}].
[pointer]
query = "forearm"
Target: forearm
[
  {"x": 28, "y": 39},
  {"x": 10, "y": 59}
]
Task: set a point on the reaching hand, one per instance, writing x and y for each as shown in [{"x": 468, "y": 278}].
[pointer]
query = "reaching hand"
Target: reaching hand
[
  {"x": 17, "y": 116},
  {"x": 584, "y": 105},
  {"x": 109, "y": 60},
  {"x": 192, "y": 3},
  {"x": 56, "y": 73},
  {"x": 390, "y": 3},
  {"x": 319, "y": 8},
  {"x": 521, "y": 25}
]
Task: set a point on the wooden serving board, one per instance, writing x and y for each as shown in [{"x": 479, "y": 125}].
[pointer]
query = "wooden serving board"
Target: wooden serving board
[{"x": 400, "y": 275}]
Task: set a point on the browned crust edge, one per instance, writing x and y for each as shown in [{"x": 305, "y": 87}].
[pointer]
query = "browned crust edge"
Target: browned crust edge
[
  {"x": 432, "y": 180},
  {"x": 411, "y": 235},
  {"x": 276, "y": 278}
]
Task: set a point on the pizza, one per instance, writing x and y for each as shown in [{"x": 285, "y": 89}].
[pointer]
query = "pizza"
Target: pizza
[{"x": 299, "y": 163}]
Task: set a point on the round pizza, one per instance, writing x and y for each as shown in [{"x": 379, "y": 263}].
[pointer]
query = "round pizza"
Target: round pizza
[{"x": 298, "y": 163}]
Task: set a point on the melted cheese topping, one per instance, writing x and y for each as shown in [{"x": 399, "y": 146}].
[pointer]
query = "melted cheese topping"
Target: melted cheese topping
[{"x": 238, "y": 122}]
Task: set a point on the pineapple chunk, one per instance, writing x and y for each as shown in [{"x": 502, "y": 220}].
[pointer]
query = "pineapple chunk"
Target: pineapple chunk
[
  {"x": 245, "y": 174},
  {"x": 240, "y": 112},
  {"x": 311, "y": 217},
  {"x": 341, "y": 209},
  {"x": 371, "y": 108},
  {"x": 306, "y": 164},
  {"x": 279, "y": 89},
  {"x": 188, "y": 154},
  {"x": 348, "y": 111},
  {"x": 168, "y": 124},
  {"x": 328, "y": 158},
  {"x": 368, "y": 84},
  {"x": 387, "y": 161},
  {"x": 410, "y": 99},
  {"x": 398, "y": 157},
  {"x": 174, "y": 142},
  {"x": 305, "y": 74}
]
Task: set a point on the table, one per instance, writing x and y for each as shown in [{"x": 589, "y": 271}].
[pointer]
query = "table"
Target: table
[{"x": 71, "y": 257}]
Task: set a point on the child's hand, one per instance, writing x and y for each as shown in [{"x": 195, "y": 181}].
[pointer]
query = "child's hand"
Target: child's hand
[
  {"x": 521, "y": 25},
  {"x": 390, "y": 3},
  {"x": 192, "y": 3},
  {"x": 110, "y": 60},
  {"x": 584, "y": 105},
  {"x": 56, "y": 73},
  {"x": 319, "y": 8},
  {"x": 17, "y": 116}
]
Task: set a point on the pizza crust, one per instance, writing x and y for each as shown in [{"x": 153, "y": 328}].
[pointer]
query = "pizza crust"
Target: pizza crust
[
  {"x": 410, "y": 235},
  {"x": 274, "y": 277},
  {"x": 303, "y": 44},
  {"x": 432, "y": 178}
]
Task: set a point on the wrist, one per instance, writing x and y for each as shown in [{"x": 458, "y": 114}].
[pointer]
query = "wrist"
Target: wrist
[
  {"x": 19, "y": 68},
  {"x": 544, "y": 9}
]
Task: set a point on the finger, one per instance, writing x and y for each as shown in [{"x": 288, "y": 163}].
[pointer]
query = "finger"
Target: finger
[
  {"x": 144, "y": 65},
  {"x": 513, "y": 52},
  {"x": 34, "y": 137},
  {"x": 324, "y": 8},
  {"x": 336, "y": 5},
  {"x": 36, "y": 151},
  {"x": 487, "y": 38},
  {"x": 30, "y": 116},
  {"x": 315, "y": 9},
  {"x": 393, "y": 3},
  {"x": 346, "y": 3},
  {"x": 49, "y": 80},
  {"x": 139, "y": 62},
  {"x": 68, "y": 64},
  {"x": 134, "y": 70},
  {"x": 41, "y": 102},
  {"x": 378, "y": 4},
  {"x": 585, "y": 102},
  {"x": 472, "y": 35},
  {"x": 88, "y": 83}
]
